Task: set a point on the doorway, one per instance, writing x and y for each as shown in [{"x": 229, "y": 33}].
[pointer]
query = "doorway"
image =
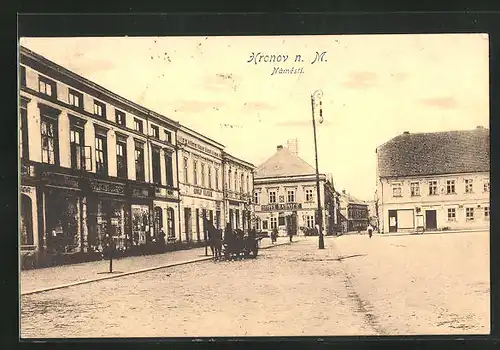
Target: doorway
[
  {"x": 430, "y": 220},
  {"x": 187, "y": 223},
  {"x": 393, "y": 221}
]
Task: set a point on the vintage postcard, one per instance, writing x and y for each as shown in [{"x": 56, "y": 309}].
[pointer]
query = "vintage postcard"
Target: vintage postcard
[{"x": 333, "y": 185}]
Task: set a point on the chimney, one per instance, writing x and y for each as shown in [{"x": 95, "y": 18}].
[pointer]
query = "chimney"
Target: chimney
[
  {"x": 406, "y": 133},
  {"x": 279, "y": 148},
  {"x": 293, "y": 146}
]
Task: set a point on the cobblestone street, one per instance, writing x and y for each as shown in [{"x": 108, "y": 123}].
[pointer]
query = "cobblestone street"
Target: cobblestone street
[{"x": 426, "y": 284}]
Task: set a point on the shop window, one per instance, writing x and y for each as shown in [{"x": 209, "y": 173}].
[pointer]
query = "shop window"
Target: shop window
[
  {"x": 101, "y": 153},
  {"x": 62, "y": 222},
  {"x": 121, "y": 159},
  {"x": 26, "y": 221},
  {"x": 50, "y": 142},
  {"x": 120, "y": 117},
  {"x": 139, "y": 162},
  {"x": 170, "y": 223},
  {"x": 155, "y": 159},
  {"x": 140, "y": 225},
  {"x": 23, "y": 128},
  {"x": 169, "y": 169}
]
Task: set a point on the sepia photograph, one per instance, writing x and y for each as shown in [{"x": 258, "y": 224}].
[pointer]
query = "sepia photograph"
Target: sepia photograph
[{"x": 253, "y": 186}]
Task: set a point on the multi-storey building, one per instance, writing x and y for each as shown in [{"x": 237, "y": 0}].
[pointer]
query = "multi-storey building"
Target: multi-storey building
[
  {"x": 200, "y": 182},
  {"x": 285, "y": 195},
  {"x": 238, "y": 189},
  {"x": 434, "y": 181},
  {"x": 92, "y": 163},
  {"x": 355, "y": 212}
]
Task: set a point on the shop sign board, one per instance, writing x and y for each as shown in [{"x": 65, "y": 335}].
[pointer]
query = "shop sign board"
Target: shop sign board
[
  {"x": 281, "y": 206},
  {"x": 62, "y": 180},
  {"x": 107, "y": 187}
]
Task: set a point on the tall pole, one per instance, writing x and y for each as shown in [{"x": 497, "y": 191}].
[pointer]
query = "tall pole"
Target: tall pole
[{"x": 321, "y": 242}]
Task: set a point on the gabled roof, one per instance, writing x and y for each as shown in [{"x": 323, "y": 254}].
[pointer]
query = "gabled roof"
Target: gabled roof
[
  {"x": 351, "y": 200},
  {"x": 284, "y": 163},
  {"x": 435, "y": 153}
]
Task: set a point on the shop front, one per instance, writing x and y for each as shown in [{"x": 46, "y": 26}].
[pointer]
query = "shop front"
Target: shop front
[
  {"x": 107, "y": 215},
  {"x": 141, "y": 198},
  {"x": 28, "y": 218}
]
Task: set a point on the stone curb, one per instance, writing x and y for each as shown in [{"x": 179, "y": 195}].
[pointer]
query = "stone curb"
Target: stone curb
[
  {"x": 427, "y": 233},
  {"x": 122, "y": 274}
]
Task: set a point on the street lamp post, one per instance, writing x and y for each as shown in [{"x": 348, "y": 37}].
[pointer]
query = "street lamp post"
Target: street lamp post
[{"x": 319, "y": 95}]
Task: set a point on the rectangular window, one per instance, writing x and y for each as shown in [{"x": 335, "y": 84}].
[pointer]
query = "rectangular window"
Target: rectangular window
[
  {"x": 452, "y": 214},
  {"x": 47, "y": 86},
  {"x": 195, "y": 172},
  {"x": 228, "y": 183},
  {"x": 248, "y": 184},
  {"x": 169, "y": 169},
  {"x": 235, "y": 181},
  {"x": 139, "y": 161},
  {"x": 209, "y": 177},
  {"x": 202, "y": 175},
  {"x": 77, "y": 148},
  {"x": 155, "y": 160},
  {"x": 396, "y": 190},
  {"x": 450, "y": 186},
  {"x": 50, "y": 142},
  {"x": 242, "y": 185},
  {"x": 217, "y": 179},
  {"x": 186, "y": 170},
  {"x": 469, "y": 214},
  {"x": 486, "y": 186},
  {"x": 310, "y": 221},
  {"x": 274, "y": 223},
  {"x": 168, "y": 136},
  {"x": 309, "y": 195},
  {"x": 120, "y": 117},
  {"x": 264, "y": 224},
  {"x": 272, "y": 197},
  {"x": 23, "y": 128},
  {"x": 256, "y": 197},
  {"x": 99, "y": 109},
  {"x": 101, "y": 165},
  {"x": 138, "y": 125},
  {"x": 468, "y": 186},
  {"x": 22, "y": 75},
  {"x": 155, "y": 132},
  {"x": 281, "y": 219},
  {"x": 487, "y": 213},
  {"x": 291, "y": 196},
  {"x": 433, "y": 184},
  {"x": 75, "y": 98},
  {"x": 414, "y": 189},
  {"x": 121, "y": 159}
]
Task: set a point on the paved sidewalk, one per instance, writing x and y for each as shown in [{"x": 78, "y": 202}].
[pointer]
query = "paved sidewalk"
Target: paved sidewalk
[{"x": 60, "y": 276}]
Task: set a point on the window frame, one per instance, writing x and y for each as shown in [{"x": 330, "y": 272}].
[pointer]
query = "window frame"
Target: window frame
[
  {"x": 120, "y": 114},
  {"x": 256, "y": 197},
  {"x": 309, "y": 195},
  {"x": 169, "y": 169},
  {"x": 79, "y": 97},
  {"x": 140, "y": 171},
  {"x": 415, "y": 189},
  {"x": 156, "y": 165},
  {"x": 433, "y": 187},
  {"x": 103, "y": 169},
  {"x": 23, "y": 128},
  {"x": 186, "y": 166},
  {"x": 451, "y": 187},
  {"x": 98, "y": 104},
  {"x": 47, "y": 82},
  {"x": 451, "y": 211},
  {"x": 469, "y": 186},
  {"x": 139, "y": 125},
  {"x": 74, "y": 147},
  {"x": 292, "y": 192},
  {"x": 272, "y": 195},
  {"x": 45, "y": 118},
  {"x": 469, "y": 210},
  {"x": 121, "y": 172},
  {"x": 486, "y": 212},
  {"x": 397, "y": 190},
  {"x": 155, "y": 132}
]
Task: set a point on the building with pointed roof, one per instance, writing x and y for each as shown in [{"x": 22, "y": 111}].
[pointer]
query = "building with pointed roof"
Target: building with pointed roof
[
  {"x": 434, "y": 181},
  {"x": 285, "y": 195},
  {"x": 354, "y": 213}
]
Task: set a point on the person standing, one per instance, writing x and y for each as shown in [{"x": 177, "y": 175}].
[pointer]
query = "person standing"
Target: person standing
[{"x": 370, "y": 230}]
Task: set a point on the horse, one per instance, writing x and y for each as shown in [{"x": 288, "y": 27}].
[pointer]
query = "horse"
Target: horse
[{"x": 215, "y": 241}]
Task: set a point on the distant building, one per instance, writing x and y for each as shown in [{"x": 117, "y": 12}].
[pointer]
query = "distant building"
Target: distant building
[
  {"x": 354, "y": 212},
  {"x": 285, "y": 195},
  {"x": 434, "y": 181}
]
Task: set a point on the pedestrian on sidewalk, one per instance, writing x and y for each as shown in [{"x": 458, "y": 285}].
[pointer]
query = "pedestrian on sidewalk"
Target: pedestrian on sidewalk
[
  {"x": 370, "y": 230},
  {"x": 274, "y": 235},
  {"x": 290, "y": 234}
]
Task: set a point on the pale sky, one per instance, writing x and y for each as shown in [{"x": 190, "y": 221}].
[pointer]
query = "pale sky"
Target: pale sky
[{"x": 375, "y": 87}]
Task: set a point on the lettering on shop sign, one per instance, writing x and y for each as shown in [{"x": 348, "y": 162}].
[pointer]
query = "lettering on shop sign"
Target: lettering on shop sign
[
  {"x": 27, "y": 170},
  {"x": 281, "y": 206},
  {"x": 61, "y": 180},
  {"x": 198, "y": 146},
  {"x": 164, "y": 193},
  {"x": 140, "y": 192},
  {"x": 107, "y": 187},
  {"x": 26, "y": 189},
  {"x": 199, "y": 191}
]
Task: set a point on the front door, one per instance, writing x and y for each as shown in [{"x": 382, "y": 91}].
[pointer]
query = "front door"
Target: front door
[
  {"x": 393, "y": 221},
  {"x": 430, "y": 220}
]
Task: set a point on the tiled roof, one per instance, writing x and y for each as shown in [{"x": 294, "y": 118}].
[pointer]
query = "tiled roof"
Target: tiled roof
[
  {"x": 351, "y": 200},
  {"x": 284, "y": 163},
  {"x": 435, "y": 153}
]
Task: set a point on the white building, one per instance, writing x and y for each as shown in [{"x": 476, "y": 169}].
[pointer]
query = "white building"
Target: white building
[
  {"x": 285, "y": 195},
  {"x": 434, "y": 181}
]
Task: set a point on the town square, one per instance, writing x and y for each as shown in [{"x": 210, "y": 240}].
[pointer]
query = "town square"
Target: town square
[{"x": 169, "y": 194}]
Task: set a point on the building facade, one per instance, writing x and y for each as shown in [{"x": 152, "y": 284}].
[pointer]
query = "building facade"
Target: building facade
[
  {"x": 92, "y": 163},
  {"x": 200, "y": 183},
  {"x": 285, "y": 195},
  {"x": 238, "y": 189},
  {"x": 434, "y": 181},
  {"x": 355, "y": 212}
]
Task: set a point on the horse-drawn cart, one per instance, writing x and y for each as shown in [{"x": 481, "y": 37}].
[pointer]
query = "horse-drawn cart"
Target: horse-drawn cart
[{"x": 239, "y": 246}]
